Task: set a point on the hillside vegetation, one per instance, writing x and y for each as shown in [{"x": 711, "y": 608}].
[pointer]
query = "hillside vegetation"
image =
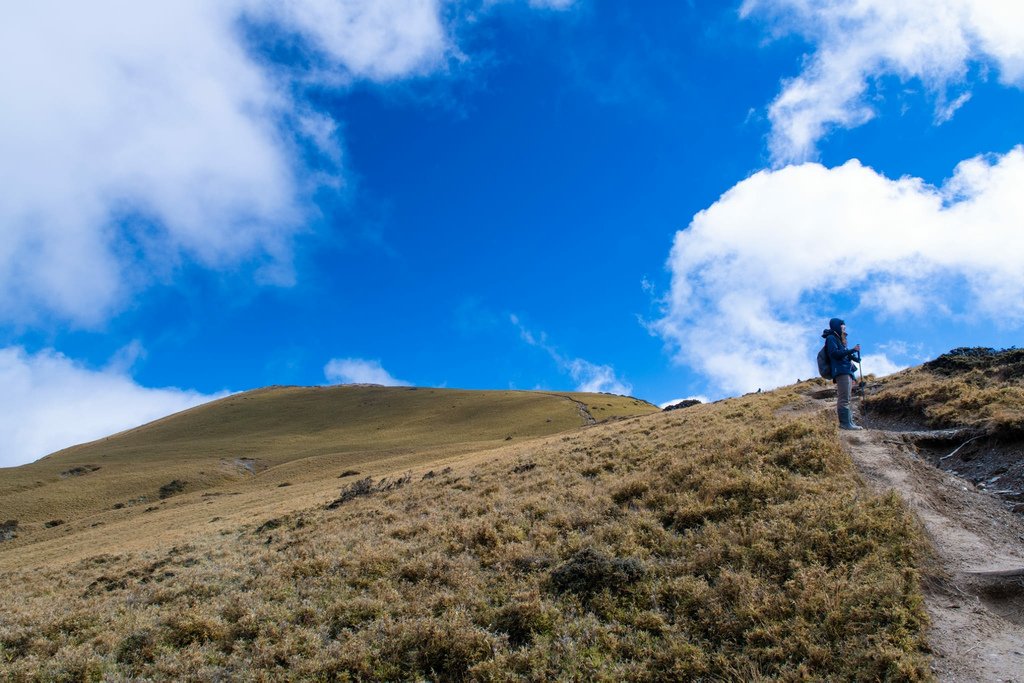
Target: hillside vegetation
[
  {"x": 730, "y": 541},
  {"x": 286, "y": 435},
  {"x": 975, "y": 396},
  {"x": 978, "y": 388}
]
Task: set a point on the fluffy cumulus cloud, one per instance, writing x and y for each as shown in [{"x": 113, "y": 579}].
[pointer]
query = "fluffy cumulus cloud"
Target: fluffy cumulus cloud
[
  {"x": 360, "y": 371},
  {"x": 138, "y": 137},
  {"x": 753, "y": 275},
  {"x": 589, "y": 377},
  {"x": 50, "y": 402},
  {"x": 857, "y": 41},
  {"x": 880, "y": 365}
]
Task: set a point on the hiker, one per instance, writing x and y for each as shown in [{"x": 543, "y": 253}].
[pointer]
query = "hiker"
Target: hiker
[{"x": 843, "y": 372}]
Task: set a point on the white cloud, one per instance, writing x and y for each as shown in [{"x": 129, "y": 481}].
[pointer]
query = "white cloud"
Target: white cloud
[
  {"x": 897, "y": 299},
  {"x": 49, "y": 402},
  {"x": 913, "y": 351},
  {"x": 136, "y": 138},
  {"x": 857, "y": 41},
  {"x": 752, "y": 276},
  {"x": 589, "y": 377},
  {"x": 380, "y": 40},
  {"x": 359, "y": 371},
  {"x": 880, "y": 365},
  {"x": 118, "y": 108},
  {"x": 594, "y": 378}
]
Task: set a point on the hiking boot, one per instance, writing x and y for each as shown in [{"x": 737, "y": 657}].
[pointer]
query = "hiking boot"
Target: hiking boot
[{"x": 846, "y": 420}]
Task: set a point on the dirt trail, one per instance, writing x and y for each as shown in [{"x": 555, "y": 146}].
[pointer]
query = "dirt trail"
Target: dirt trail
[
  {"x": 585, "y": 413},
  {"x": 974, "y": 589}
]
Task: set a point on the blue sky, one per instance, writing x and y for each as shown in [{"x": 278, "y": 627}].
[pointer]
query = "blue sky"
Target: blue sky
[{"x": 665, "y": 199}]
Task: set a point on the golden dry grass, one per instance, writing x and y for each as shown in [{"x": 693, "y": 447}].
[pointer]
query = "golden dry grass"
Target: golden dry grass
[
  {"x": 730, "y": 541},
  {"x": 968, "y": 387},
  {"x": 287, "y": 434}
]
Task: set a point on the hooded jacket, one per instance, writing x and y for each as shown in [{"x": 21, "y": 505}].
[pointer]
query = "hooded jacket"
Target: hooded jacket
[{"x": 840, "y": 358}]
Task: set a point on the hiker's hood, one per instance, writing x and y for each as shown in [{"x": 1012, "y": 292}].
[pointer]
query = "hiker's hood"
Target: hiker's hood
[{"x": 836, "y": 325}]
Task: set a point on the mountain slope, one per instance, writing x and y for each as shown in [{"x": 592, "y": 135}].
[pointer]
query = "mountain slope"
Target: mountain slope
[
  {"x": 730, "y": 541},
  {"x": 262, "y": 438}
]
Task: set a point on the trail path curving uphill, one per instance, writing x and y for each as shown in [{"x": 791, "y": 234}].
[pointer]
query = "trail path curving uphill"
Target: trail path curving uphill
[
  {"x": 585, "y": 413},
  {"x": 974, "y": 588}
]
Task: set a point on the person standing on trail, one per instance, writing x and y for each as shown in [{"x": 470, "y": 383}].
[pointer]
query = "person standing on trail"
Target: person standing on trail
[{"x": 841, "y": 359}]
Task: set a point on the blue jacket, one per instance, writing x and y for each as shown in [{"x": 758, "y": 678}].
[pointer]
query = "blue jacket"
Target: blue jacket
[{"x": 840, "y": 357}]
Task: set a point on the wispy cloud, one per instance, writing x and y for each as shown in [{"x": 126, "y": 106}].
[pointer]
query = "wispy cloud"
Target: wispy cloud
[
  {"x": 557, "y": 5},
  {"x": 553, "y": 4},
  {"x": 857, "y": 41},
  {"x": 50, "y": 402},
  {"x": 360, "y": 371},
  {"x": 753, "y": 276},
  {"x": 589, "y": 377}
]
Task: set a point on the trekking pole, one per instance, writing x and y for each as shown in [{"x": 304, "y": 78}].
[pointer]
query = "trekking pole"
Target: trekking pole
[{"x": 860, "y": 368}]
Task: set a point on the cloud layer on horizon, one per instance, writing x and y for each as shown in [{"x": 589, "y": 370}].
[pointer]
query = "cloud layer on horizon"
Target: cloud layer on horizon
[
  {"x": 755, "y": 275},
  {"x": 50, "y": 402},
  {"x": 856, "y": 43}
]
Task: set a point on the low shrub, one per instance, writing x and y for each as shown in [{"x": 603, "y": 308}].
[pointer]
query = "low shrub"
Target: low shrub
[
  {"x": 589, "y": 571},
  {"x": 172, "y": 487},
  {"x": 8, "y": 530},
  {"x": 356, "y": 489},
  {"x": 136, "y": 649},
  {"x": 523, "y": 618}
]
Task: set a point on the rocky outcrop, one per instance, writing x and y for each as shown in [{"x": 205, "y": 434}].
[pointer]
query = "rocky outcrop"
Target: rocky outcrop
[{"x": 682, "y": 404}]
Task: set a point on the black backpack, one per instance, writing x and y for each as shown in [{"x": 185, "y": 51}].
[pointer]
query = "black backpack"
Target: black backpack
[{"x": 824, "y": 363}]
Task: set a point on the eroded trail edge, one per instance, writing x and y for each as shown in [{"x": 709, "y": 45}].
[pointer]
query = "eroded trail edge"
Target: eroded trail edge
[{"x": 974, "y": 589}]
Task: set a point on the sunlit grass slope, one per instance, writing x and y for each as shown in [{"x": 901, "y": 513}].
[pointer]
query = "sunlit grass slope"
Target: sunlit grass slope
[
  {"x": 286, "y": 434},
  {"x": 979, "y": 388},
  {"x": 731, "y": 541}
]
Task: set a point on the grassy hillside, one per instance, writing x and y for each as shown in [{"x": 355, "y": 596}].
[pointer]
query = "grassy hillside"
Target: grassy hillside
[
  {"x": 730, "y": 541},
  {"x": 286, "y": 434},
  {"x": 977, "y": 388},
  {"x": 977, "y": 396}
]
